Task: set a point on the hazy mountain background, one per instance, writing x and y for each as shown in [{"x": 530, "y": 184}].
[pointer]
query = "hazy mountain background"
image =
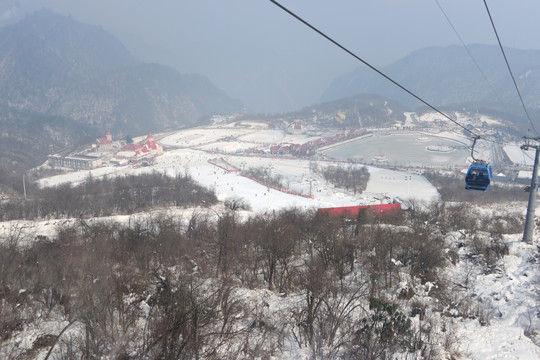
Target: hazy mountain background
[
  {"x": 56, "y": 65},
  {"x": 27, "y": 137},
  {"x": 64, "y": 83},
  {"x": 257, "y": 53},
  {"x": 445, "y": 76},
  {"x": 360, "y": 110}
]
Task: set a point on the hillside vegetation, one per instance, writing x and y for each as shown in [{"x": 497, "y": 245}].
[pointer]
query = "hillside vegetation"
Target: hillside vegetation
[
  {"x": 104, "y": 197},
  {"x": 215, "y": 286}
]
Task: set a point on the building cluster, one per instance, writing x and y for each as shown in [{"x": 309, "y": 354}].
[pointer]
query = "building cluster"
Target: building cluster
[
  {"x": 308, "y": 148},
  {"x": 139, "y": 152},
  {"x": 104, "y": 147}
]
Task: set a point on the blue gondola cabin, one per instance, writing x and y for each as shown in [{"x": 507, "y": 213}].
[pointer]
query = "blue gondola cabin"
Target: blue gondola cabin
[{"x": 478, "y": 177}]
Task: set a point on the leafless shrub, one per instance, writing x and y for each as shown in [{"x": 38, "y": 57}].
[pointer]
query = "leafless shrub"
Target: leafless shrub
[
  {"x": 235, "y": 204},
  {"x": 263, "y": 339},
  {"x": 382, "y": 333},
  {"x": 314, "y": 283},
  {"x": 503, "y": 224},
  {"x": 353, "y": 177},
  {"x": 488, "y": 249},
  {"x": 458, "y": 216},
  {"x": 265, "y": 176},
  {"x": 452, "y": 188},
  {"x": 187, "y": 319},
  {"x": 103, "y": 197},
  {"x": 328, "y": 310},
  {"x": 277, "y": 239}
]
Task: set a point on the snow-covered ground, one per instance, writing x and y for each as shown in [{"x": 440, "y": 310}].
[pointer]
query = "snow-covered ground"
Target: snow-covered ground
[
  {"x": 511, "y": 305},
  {"x": 461, "y": 118},
  {"x": 519, "y": 156},
  {"x": 189, "y": 155},
  {"x": 510, "y": 293},
  {"x": 197, "y": 150}
]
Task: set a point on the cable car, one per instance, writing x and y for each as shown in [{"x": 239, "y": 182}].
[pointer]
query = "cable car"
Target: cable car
[{"x": 478, "y": 176}]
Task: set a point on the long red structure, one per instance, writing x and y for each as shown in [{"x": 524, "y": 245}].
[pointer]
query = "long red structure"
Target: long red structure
[{"x": 379, "y": 210}]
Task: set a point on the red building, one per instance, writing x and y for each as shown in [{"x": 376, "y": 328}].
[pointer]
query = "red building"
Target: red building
[
  {"x": 379, "y": 210},
  {"x": 150, "y": 147}
]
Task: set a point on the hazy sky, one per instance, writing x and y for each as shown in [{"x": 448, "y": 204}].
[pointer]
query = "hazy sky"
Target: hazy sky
[{"x": 259, "y": 54}]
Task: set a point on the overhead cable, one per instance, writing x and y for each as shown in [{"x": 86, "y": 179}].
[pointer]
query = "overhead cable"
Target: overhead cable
[
  {"x": 370, "y": 66},
  {"x": 470, "y": 54},
  {"x": 509, "y": 69}
]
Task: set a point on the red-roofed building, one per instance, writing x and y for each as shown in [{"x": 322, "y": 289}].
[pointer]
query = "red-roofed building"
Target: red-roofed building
[
  {"x": 105, "y": 143},
  {"x": 131, "y": 147},
  {"x": 140, "y": 151},
  {"x": 152, "y": 145}
]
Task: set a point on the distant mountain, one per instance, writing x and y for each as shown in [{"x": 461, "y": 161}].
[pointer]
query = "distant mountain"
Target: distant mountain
[
  {"x": 55, "y": 65},
  {"x": 363, "y": 110},
  {"x": 449, "y": 76},
  {"x": 27, "y": 137}
]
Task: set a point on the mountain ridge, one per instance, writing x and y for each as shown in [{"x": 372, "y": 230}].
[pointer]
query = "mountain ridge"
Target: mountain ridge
[
  {"x": 63, "y": 83},
  {"x": 448, "y": 75},
  {"x": 53, "y": 64}
]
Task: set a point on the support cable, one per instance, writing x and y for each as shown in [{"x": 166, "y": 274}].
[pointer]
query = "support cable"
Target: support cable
[
  {"x": 370, "y": 66},
  {"x": 470, "y": 55},
  {"x": 508, "y": 66}
]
